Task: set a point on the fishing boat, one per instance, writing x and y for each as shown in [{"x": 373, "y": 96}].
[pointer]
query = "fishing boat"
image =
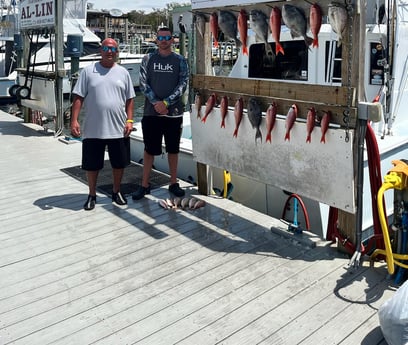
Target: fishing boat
[{"x": 331, "y": 171}]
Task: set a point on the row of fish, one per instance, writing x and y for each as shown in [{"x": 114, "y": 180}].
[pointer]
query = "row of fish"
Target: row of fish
[
  {"x": 293, "y": 17},
  {"x": 255, "y": 116},
  {"x": 181, "y": 203}
]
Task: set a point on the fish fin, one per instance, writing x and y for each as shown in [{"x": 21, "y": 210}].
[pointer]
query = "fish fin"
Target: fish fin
[
  {"x": 198, "y": 114},
  {"x": 244, "y": 50},
  {"x": 258, "y": 135},
  {"x": 268, "y": 138},
  {"x": 315, "y": 43},
  {"x": 323, "y": 139},
  {"x": 308, "y": 40},
  {"x": 223, "y": 124},
  {"x": 235, "y": 133},
  {"x": 309, "y": 139},
  {"x": 204, "y": 118},
  {"x": 279, "y": 49},
  {"x": 287, "y": 136}
]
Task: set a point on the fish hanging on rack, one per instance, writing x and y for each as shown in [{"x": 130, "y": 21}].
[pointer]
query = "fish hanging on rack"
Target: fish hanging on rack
[
  {"x": 243, "y": 30},
  {"x": 238, "y": 111},
  {"x": 295, "y": 20},
  {"x": 259, "y": 24},
  {"x": 290, "y": 120},
  {"x": 324, "y": 124},
  {"x": 198, "y": 102},
  {"x": 310, "y": 123},
  {"x": 209, "y": 105},
  {"x": 275, "y": 24},
  {"x": 200, "y": 21},
  {"x": 315, "y": 18},
  {"x": 227, "y": 23},
  {"x": 214, "y": 28},
  {"x": 270, "y": 120},
  {"x": 337, "y": 15},
  {"x": 255, "y": 116},
  {"x": 223, "y": 110}
]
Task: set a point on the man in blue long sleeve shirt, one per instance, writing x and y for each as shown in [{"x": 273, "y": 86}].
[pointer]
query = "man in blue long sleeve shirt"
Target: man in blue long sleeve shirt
[{"x": 163, "y": 80}]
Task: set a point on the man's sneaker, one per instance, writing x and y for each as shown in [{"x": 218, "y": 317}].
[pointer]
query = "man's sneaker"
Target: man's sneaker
[
  {"x": 90, "y": 203},
  {"x": 176, "y": 190},
  {"x": 119, "y": 199},
  {"x": 140, "y": 192}
]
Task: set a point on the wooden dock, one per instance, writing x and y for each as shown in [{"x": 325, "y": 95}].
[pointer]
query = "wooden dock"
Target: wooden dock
[{"x": 141, "y": 274}]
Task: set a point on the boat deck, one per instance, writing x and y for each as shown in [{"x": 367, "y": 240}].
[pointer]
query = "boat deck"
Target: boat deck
[{"x": 141, "y": 274}]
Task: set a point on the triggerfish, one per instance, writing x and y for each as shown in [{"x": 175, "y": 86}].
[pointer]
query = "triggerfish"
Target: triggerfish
[
  {"x": 214, "y": 28},
  {"x": 290, "y": 120},
  {"x": 275, "y": 23},
  {"x": 238, "y": 111},
  {"x": 337, "y": 15},
  {"x": 255, "y": 116},
  {"x": 270, "y": 120},
  {"x": 324, "y": 124},
  {"x": 315, "y": 23},
  {"x": 243, "y": 30},
  {"x": 295, "y": 20},
  {"x": 209, "y": 105},
  {"x": 310, "y": 123},
  {"x": 223, "y": 110}
]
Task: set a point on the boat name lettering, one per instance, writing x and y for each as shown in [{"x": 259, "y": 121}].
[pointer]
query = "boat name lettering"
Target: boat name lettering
[{"x": 37, "y": 10}]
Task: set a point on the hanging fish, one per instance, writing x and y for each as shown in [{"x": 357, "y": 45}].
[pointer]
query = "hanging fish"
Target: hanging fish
[
  {"x": 270, "y": 120},
  {"x": 310, "y": 123},
  {"x": 324, "y": 125},
  {"x": 275, "y": 23},
  {"x": 290, "y": 120},
  {"x": 238, "y": 111},
  {"x": 227, "y": 22},
  {"x": 243, "y": 30},
  {"x": 255, "y": 116},
  {"x": 315, "y": 18},
  {"x": 200, "y": 21},
  {"x": 214, "y": 28},
  {"x": 198, "y": 102},
  {"x": 209, "y": 105},
  {"x": 337, "y": 15},
  {"x": 223, "y": 110},
  {"x": 259, "y": 24},
  {"x": 295, "y": 20}
]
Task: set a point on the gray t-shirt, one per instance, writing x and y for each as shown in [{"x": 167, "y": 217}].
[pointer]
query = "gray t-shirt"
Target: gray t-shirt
[{"x": 105, "y": 92}]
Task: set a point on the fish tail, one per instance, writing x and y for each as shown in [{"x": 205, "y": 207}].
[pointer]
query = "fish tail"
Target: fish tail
[
  {"x": 268, "y": 138},
  {"x": 315, "y": 43},
  {"x": 198, "y": 114},
  {"x": 308, "y": 40},
  {"x": 244, "y": 50},
  {"x": 215, "y": 43},
  {"x": 279, "y": 49},
  {"x": 235, "y": 133},
  {"x": 309, "y": 139},
  {"x": 204, "y": 118},
  {"x": 258, "y": 135},
  {"x": 323, "y": 139},
  {"x": 287, "y": 136},
  {"x": 223, "y": 123}
]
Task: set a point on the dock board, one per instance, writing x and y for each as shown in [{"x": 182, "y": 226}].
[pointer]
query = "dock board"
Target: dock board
[{"x": 141, "y": 274}]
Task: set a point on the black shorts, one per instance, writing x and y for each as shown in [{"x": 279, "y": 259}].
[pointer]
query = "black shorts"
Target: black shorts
[
  {"x": 93, "y": 153},
  {"x": 156, "y": 127}
]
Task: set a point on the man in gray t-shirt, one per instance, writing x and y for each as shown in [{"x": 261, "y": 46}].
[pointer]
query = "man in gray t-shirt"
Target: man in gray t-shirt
[{"x": 106, "y": 91}]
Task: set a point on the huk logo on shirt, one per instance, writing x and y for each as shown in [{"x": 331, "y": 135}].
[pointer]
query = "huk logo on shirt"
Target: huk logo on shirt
[{"x": 163, "y": 68}]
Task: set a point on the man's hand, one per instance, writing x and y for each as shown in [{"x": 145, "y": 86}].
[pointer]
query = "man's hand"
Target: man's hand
[{"x": 161, "y": 108}]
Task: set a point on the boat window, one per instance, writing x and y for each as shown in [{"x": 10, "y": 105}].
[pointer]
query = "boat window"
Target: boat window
[
  {"x": 333, "y": 62},
  {"x": 291, "y": 66}
]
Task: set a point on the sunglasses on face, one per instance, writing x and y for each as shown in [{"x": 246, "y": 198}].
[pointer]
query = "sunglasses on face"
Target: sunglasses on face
[
  {"x": 112, "y": 49},
  {"x": 164, "y": 38}
]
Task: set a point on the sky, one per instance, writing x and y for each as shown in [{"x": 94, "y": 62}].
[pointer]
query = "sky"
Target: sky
[{"x": 130, "y": 5}]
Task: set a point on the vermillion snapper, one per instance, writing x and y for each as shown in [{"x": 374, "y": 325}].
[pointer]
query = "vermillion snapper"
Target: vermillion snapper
[
  {"x": 238, "y": 111},
  {"x": 223, "y": 110},
  {"x": 259, "y": 23},
  {"x": 214, "y": 28},
  {"x": 209, "y": 105},
  {"x": 243, "y": 30},
  {"x": 310, "y": 123},
  {"x": 255, "y": 116},
  {"x": 290, "y": 120},
  {"x": 200, "y": 23},
  {"x": 270, "y": 120},
  {"x": 324, "y": 125},
  {"x": 227, "y": 23},
  {"x": 275, "y": 23},
  {"x": 295, "y": 20},
  {"x": 315, "y": 22},
  {"x": 337, "y": 14}
]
